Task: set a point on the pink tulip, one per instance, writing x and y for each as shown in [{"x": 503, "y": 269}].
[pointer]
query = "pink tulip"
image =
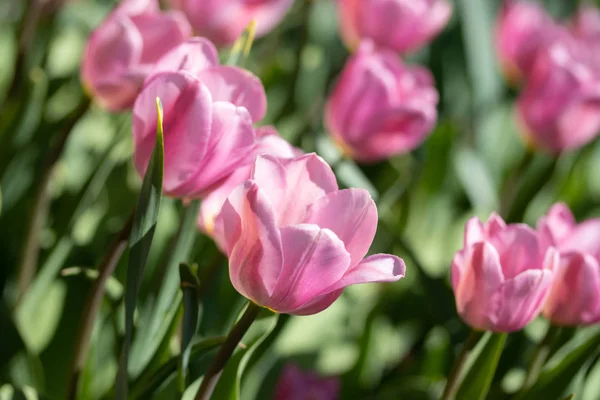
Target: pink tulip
[
  {"x": 222, "y": 21},
  {"x": 560, "y": 105},
  {"x": 123, "y": 50},
  {"x": 295, "y": 384},
  {"x": 268, "y": 142},
  {"x": 380, "y": 107},
  {"x": 586, "y": 23},
  {"x": 575, "y": 296},
  {"x": 523, "y": 28},
  {"x": 294, "y": 241},
  {"x": 502, "y": 275},
  {"x": 400, "y": 25}
]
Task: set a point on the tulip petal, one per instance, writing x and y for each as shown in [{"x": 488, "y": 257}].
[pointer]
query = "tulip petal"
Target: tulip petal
[
  {"x": 269, "y": 173},
  {"x": 574, "y": 298},
  {"x": 519, "y": 249},
  {"x": 318, "y": 304},
  {"x": 161, "y": 32},
  {"x": 314, "y": 259},
  {"x": 254, "y": 244},
  {"x": 522, "y": 299},
  {"x": 375, "y": 268},
  {"x": 352, "y": 215},
  {"x": 585, "y": 238},
  {"x": 237, "y": 86},
  {"x": 194, "y": 55}
]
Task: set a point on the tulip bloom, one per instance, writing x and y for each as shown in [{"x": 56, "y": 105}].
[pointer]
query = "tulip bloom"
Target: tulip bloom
[
  {"x": 268, "y": 142},
  {"x": 294, "y": 241},
  {"x": 523, "y": 28},
  {"x": 122, "y": 51},
  {"x": 295, "y": 384},
  {"x": 400, "y": 25},
  {"x": 502, "y": 275},
  {"x": 380, "y": 107},
  {"x": 575, "y": 296},
  {"x": 222, "y": 21},
  {"x": 560, "y": 105}
]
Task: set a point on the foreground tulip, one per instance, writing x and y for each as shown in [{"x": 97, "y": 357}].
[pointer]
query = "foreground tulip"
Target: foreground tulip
[
  {"x": 575, "y": 295},
  {"x": 502, "y": 275},
  {"x": 207, "y": 134},
  {"x": 268, "y": 142},
  {"x": 122, "y": 51},
  {"x": 222, "y": 21},
  {"x": 294, "y": 241},
  {"x": 560, "y": 105},
  {"x": 521, "y": 31},
  {"x": 295, "y": 384},
  {"x": 400, "y": 25},
  {"x": 380, "y": 107}
]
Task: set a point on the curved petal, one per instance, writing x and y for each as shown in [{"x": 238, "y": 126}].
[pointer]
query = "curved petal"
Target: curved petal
[
  {"x": 161, "y": 32},
  {"x": 519, "y": 249},
  {"x": 253, "y": 243},
  {"x": 476, "y": 277},
  {"x": 585, "y": 238},
  {"x": 237, "y": 86},
  {"x": 522, "y": 299},
  {"x": 474, "y": 232},
  {"x": 314, "y": 259},
  {"x": 352, "y": 215},
  {"x": 375, "y": 268},
  {"x": 318, "y": 304},
  {"x": 574, "y": 298},
  {"x": 556, "y": 225},
  {"x": 268, "y": 172},
  {"x": 193, "y": 55},
  {"x": 269, "y": 142},
  {"x": 187, "y": 124}
]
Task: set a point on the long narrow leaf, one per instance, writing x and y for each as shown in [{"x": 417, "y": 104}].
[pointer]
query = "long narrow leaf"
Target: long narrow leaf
[
  {"x": 191, "y": 309},
  {"x": 140, "y": 240}
]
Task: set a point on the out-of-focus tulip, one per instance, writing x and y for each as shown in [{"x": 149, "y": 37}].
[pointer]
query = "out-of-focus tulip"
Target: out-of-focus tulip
[
  {"x": 586, "y": 23},
  {"x": 268, "y": 142},
  {"x": 122, "y": 51},
  {"x": 523, "y": 28},
  {"x": 560, "y": 105},
  {"x": 400, "y": 25},
  {"x": 222, "y": 21},
  {"x": 295, "y": 384},
  {"x": 502, "y": 275},
  {"x": 294, "y": 241},
  {"x": 575, "y": 295},
  {"x": 380, "y": 107}
]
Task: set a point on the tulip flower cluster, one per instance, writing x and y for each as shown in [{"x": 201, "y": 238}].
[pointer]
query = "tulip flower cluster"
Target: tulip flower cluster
[
  {"x": 381, "y": 107},
  {"x": 559, "y": 107},
  {"x": 506, "y": 275}
]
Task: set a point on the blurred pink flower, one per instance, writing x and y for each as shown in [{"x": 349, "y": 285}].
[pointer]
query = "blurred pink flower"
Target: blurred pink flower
[
  {"x": 400, "y": 25},
  {"x": 122, "y": 51},
  {"x": 294, "y": 241},
  {"x": 380, "y": 107},
  {"x": 268, "y": 142},
  {"x": 575, "y": 295},
  {"x": 502, "y": 275},
  {"x": 586, "y": 23},
  {"x": 522, "y": 29},
  {"x": 222, "y": 21},
  {"x": 559, "y": 107},
  {"x": 295, "y": 384}
]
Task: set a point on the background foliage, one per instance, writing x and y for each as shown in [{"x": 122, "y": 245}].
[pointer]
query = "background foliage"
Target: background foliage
[{"x": 385, "y": 341}]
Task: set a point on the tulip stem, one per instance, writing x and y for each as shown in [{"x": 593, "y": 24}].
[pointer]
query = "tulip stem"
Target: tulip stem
[
  {"x": 212, "y": 375},
  {"x": 540, "y": 355},
  {"x": 459, "y": 365}
]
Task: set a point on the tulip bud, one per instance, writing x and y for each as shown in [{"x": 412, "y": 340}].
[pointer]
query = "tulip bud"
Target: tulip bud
[
  {"x": 575, "y": 295},
  {"x": 122, "y": 51},
  {"x": 294, "y": 241},
  {"x": 380, "y": 107},
  {"x": 400, "y": 25},
  {"x": 295, "y": 384},
  {"x": 502, "y": 275},
  {"x": 560, "y": 105},
  {"x": 222, "y": 21}
]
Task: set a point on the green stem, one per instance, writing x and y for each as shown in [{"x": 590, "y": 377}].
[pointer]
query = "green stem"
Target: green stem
[
  {"x": 212, "y": 375},
  {"x": 92, "y": 306},
  {"x": 540, "y": 355},
  {"x": 459, "y": 365}
]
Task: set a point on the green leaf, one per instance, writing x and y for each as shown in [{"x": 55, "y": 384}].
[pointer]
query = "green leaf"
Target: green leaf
[
  {"x": 191, "y": 308},
  {"x": 12, "y": 343},
  {"x": 241, "y": 47},
  {"x": 140, "y": 240},
  {"x": 561, "y": 370},
  {"x": 8, "y": 392},
  {"x": 144, "y": 388},
  {"x": 229, "y": 384},
  {"x": 478, "y": 379}
]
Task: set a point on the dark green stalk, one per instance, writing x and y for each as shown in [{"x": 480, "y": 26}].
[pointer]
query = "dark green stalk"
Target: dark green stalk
[
  {"x": 540, "y": 355},
  {"x": 453, "y": 379}
]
